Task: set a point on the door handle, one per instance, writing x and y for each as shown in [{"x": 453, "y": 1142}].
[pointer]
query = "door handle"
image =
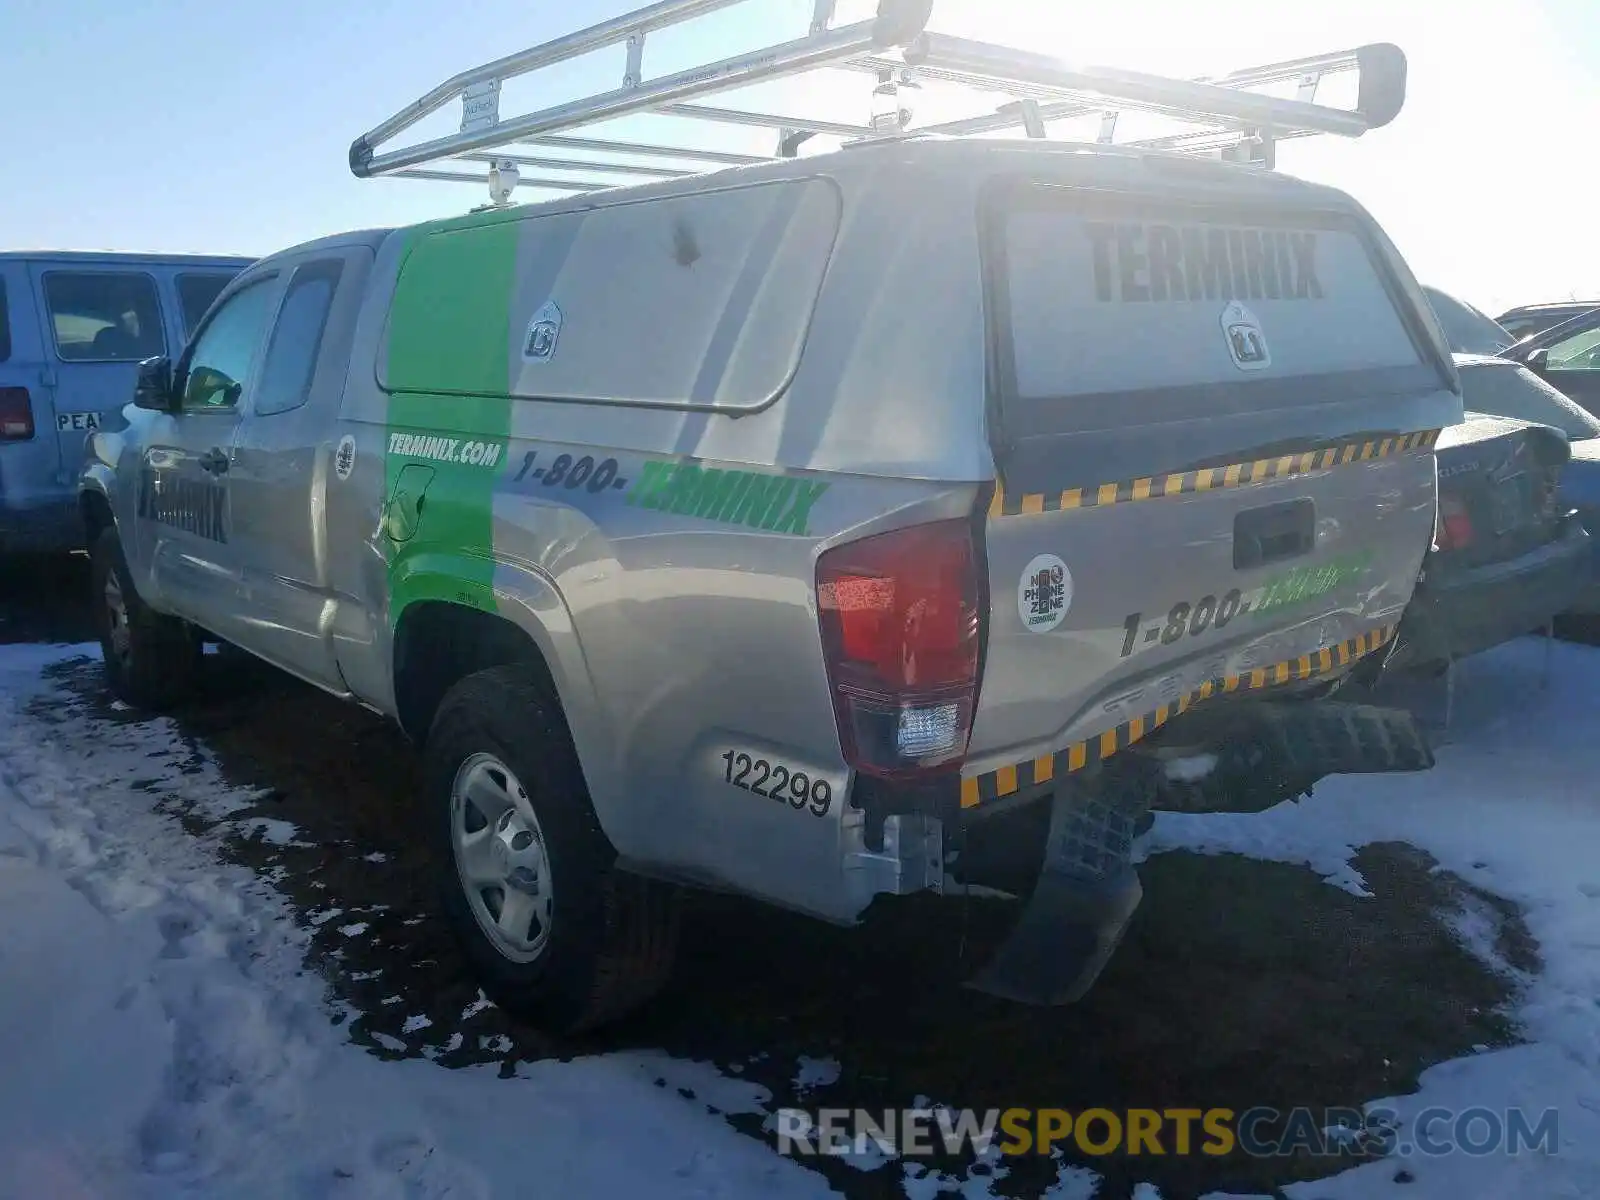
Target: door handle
[
  {"x": 1274, "y": 532},
  {"x": 215, "y": 461}
]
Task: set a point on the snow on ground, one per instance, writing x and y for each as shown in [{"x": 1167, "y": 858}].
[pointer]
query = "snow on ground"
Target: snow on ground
[
  {"x": 163, "y": 1037},
  {"x": 1512, "y": 806}
]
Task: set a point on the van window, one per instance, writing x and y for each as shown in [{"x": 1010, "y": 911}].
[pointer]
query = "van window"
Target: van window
[
  {"x": 196, "y": 294},
  {"x": 5, "y": 324},
  {"x": 701, "y": 300},
  {"x": 104, "y": 316},
  {"x": 1123, "y": 299},
  {"x": 292, "y": 354}
]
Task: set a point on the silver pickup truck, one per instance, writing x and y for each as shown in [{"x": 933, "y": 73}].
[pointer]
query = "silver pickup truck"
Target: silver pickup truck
[{"x": 776, "y": 529}]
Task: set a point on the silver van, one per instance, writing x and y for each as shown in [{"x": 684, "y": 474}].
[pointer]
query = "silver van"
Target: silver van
[{"x": 73, "y": 327}]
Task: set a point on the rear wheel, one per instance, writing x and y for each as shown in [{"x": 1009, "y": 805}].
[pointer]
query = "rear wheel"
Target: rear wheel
[
  {"x": 530, "y": 882},
  {"x": 152, "y": 660}
]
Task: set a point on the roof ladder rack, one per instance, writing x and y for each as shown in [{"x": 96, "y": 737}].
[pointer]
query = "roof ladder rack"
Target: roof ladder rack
[{"x": 1225, "y": 116}]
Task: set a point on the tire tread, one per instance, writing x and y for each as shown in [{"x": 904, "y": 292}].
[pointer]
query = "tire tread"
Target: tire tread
[
  {"x": 166, "y": 650},
  {"x": 632, "y": 922}
]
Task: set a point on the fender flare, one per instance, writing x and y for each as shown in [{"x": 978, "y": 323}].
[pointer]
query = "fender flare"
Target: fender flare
[{"x": 528, "y": 599}]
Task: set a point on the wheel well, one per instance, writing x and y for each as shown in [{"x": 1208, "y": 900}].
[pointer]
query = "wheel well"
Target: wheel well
[
  {"x": 96, "y": 511},
  {"x": 438, "y": 644}
]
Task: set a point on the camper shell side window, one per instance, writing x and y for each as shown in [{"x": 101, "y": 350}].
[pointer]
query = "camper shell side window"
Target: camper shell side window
[{"x": 698, "y": 301}]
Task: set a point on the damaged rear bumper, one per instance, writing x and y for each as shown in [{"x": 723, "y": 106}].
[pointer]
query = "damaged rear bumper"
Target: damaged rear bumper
[
  {"x": 1084, "y": 889},
  {"x": 1082, "y": 903},
  {"x": 1270, "y": 751}
]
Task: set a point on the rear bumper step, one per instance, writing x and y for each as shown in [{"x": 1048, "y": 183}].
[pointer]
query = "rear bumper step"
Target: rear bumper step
[
  {"x": 1081, "y": 906},
  {"x": 1087, "y": 890},
  {"x": 1275, "y": 750}
]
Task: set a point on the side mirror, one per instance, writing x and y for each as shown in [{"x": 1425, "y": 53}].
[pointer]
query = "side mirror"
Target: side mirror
[
  {"x": 1538, "y": 361},
  {"x": 154, "y": 387}
]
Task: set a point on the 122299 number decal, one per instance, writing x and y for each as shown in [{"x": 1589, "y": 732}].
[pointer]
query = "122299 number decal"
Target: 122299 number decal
[{"x": 777, "y": 782}]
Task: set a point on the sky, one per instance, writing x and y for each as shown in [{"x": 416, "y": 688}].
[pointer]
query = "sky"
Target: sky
[{"x": 224, "y": 127}]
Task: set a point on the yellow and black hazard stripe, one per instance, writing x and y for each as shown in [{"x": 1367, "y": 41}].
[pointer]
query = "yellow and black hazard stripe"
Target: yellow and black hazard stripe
[
  {"x": 1027, "y": 776},
  {"x": 1180, "y": 483}
]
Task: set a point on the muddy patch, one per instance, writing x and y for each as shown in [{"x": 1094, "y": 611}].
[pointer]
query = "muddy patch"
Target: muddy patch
[{"x": 1241, "y": 983}]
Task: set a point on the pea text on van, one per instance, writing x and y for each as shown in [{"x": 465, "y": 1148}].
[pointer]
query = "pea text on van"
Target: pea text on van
[{"x": 1165, "y": 262}]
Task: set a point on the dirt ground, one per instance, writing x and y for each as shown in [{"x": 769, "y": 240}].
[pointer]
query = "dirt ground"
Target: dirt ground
[{"x": 1241, "y": 983}]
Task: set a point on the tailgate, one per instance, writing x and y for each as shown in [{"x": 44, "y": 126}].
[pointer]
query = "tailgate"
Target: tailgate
[{"x": 1213, "y": 425}]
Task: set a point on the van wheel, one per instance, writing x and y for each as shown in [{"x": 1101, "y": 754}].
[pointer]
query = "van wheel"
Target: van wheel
[
  {"x": 152, "y": 660},
  {"x": 530, "y": 884}
]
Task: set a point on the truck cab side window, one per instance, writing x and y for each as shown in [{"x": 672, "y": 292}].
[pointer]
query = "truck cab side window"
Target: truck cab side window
[
  {"x": 196, "y": 294},
  {"x": 296, "y": 339},
  {"x": 224, "y": 357}
]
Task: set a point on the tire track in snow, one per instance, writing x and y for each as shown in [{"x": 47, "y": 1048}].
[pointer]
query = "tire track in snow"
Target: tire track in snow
[
  {"x": 245, "y": 1017},
  {"x": 264, "y": 1094}
]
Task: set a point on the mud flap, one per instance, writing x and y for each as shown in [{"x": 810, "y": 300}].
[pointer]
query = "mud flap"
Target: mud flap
[
  {"x": 1278, "y": 749},
  {"x": 1081, "y": 905}
]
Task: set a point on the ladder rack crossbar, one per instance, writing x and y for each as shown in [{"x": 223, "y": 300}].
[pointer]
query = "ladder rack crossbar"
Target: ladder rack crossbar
[
  {"x": 644, "y": 149},
  {"x": 1223, "y": 113},
  {"x": 561, "y": 185},
  {"x": 572, "y": 164},
  {"x": 982, "y": 65},
  {"x": 734, "y": 116}
]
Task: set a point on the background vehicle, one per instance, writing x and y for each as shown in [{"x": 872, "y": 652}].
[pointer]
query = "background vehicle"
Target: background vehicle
[
  {"x": 1467, "y": 329},
  {"x": 73, "y": 327},
  {"x": 1529, "y": 319},
  {"x": 1566, "y": 356},
  {"x": 721, "y": 531},
  {"x": 1502, "y": 387},
  {"x": 1510, "y": 553}
]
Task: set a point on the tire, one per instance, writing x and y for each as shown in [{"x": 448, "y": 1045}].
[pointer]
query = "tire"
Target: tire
[
  {"x": 588, "y": 942},
  {"x": 152, "y": 660}
]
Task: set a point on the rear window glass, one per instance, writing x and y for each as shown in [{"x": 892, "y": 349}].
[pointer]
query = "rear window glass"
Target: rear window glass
[
  {"x": 5, "y": 324},
  {"x": 1120, "y": 298},
  {"x": 104, "y": 316},
  {"x": 196, "y": 294}
]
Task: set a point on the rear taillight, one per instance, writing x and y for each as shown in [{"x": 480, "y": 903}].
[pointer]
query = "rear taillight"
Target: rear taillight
[
  {"x": 1455, "y": 526},
  {"x": 16, "y": 415},
  {"x": 901, "y": 617}
]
